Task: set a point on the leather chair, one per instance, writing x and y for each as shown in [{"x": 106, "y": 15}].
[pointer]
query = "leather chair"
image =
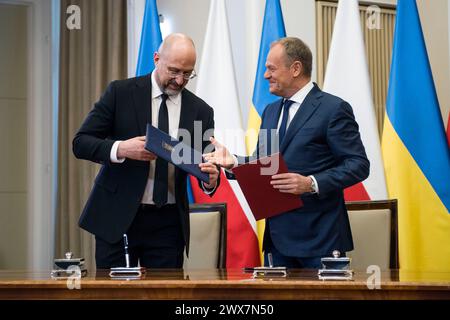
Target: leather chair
[
  {"x": 375, "y": 234},
  {"x": 208, "y": 238}
]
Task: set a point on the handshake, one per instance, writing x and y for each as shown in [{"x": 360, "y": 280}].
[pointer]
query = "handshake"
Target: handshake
[
  {"x": 220, "y": 156},
  {"x": 289, "y": 182}
]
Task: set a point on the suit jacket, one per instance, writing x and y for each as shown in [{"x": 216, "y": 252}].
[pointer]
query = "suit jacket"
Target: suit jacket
[
  {"x": 322, "y": 140},
  {"x": 122, "y": 113}
]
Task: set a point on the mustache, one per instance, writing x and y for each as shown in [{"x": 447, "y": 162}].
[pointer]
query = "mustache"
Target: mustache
[{"x": 174, "y": 83}]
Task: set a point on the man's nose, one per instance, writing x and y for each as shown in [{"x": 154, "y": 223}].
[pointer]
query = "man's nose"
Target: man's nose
[{"x": 179, "y": 79}]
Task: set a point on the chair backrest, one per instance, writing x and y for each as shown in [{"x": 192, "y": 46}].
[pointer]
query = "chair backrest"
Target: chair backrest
[
  {"x": 375, "y": 235},
  {"x": 208, "y": 241}
]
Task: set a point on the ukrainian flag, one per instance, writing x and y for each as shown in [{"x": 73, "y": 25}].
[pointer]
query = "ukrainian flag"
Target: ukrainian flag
[
  {"x": 415, "y": 152},
  {"x": 150, "y": 39},
  {"x": 273, "y": 29}
]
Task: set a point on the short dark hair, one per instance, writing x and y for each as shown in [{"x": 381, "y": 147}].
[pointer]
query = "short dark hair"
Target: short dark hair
[{"x": 297, "y": 50}]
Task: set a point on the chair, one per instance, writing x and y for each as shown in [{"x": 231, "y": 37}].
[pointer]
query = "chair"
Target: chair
[
  {"x": 208, "y": 240},
  {"x": 375, "y": 235}
]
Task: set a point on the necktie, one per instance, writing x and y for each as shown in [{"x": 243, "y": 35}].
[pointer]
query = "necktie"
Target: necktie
[
  {"x": 282, "y": 131},
  {"x": 161, "y": 171}
]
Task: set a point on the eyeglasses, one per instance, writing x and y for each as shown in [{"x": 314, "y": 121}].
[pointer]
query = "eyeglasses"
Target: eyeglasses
[{"x": 185, "y": 75}]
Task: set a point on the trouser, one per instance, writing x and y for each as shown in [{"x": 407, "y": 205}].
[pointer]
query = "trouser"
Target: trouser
[{"x": 155, "y": 240}]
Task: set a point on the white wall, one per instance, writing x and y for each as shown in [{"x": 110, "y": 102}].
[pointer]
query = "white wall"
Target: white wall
[
  {"x": 41, "y": 228},
  {"x": 135, "y": 9}
]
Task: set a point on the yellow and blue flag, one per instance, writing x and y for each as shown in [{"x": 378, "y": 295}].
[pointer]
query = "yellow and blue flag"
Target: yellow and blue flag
[
  {"x": 150, "y": 39},
  {"x": 273, "y": 29},
  {"x": 415, "y": 151}
]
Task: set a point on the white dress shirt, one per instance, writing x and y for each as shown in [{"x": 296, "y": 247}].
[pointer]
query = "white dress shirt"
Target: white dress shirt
[
  {"x": 174, "y": 110},
  {"x": 298, "y": 99}
]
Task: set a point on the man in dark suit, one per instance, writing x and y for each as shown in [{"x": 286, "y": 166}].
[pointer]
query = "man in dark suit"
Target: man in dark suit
[
  {"x": 135, "y": 193},
  {"x": 319, "y": 139}
]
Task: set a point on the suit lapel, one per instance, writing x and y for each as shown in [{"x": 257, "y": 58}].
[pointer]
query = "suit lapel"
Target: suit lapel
[
  {"x": 306, "y": 110},
  {"x": 271, "y": 123},
  {"x": 187, "y": 115},
  {"x": 187, "y": 118},
  {"x": 143, "y": 102}
]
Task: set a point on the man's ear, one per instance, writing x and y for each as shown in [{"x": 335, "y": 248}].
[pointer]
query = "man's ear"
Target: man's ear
[
  {"x": 156, "y": 58},
  {"x": 297, "y": 69}
]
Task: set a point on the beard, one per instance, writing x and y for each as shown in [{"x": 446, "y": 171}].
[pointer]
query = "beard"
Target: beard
[{"x": 172, "y": 88}]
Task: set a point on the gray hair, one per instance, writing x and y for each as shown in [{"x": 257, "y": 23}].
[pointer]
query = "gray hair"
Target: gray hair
[{"x": 296, "y": 50}]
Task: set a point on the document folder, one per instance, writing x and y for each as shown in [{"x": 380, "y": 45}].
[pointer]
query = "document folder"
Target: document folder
[
  {"x": 179, "y": 154},
  {"x": 264, "y": 200}
]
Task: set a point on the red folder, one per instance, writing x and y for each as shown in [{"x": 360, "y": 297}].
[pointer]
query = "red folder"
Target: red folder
[{"x": 264, "y": 200}]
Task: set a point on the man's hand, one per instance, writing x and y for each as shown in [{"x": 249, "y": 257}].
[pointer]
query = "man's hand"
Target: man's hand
[
  {"x": 291, "y": 183},
  {"x": 134, "y": 149},
  {"x": 213, "y": 172},
  {"x": 221, "y": 156}
]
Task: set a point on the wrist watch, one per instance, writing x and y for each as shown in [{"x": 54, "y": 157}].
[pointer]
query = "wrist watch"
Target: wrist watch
[{"x": 313, "y": 186}]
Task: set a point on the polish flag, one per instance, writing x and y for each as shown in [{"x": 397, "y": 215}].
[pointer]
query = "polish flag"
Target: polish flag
[
  {"x": 216, "y": 85},
  {"x": 347, "y": 77}
]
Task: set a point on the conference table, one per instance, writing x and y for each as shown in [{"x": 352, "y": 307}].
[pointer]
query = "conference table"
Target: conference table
[{"x": 230, "y": 284}]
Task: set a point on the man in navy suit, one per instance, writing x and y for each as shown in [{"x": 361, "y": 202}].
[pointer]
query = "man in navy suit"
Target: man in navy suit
[
  {"x": 319, "y": 139},
  {"x": 135, "y": 193}
]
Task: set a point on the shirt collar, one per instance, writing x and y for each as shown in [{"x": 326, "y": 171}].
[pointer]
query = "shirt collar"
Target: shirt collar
[
  {"x": 156, "y": 92},
  {"x": 301, "y": 94}
]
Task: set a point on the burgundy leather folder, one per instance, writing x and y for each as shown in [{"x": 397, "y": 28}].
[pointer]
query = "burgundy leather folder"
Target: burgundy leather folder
[{"x": 264, "y": 200}]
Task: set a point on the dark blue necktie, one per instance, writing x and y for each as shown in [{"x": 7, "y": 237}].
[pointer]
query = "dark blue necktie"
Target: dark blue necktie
[
  {"x": 282, "y": 131},
  {"x": 160, "y": 186}
]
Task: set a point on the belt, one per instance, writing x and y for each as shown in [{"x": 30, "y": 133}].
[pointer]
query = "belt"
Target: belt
[{"x": 153, "y": 207}]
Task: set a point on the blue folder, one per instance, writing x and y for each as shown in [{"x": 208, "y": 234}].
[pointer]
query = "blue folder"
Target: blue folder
[{"x": 178, "y": 153}]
